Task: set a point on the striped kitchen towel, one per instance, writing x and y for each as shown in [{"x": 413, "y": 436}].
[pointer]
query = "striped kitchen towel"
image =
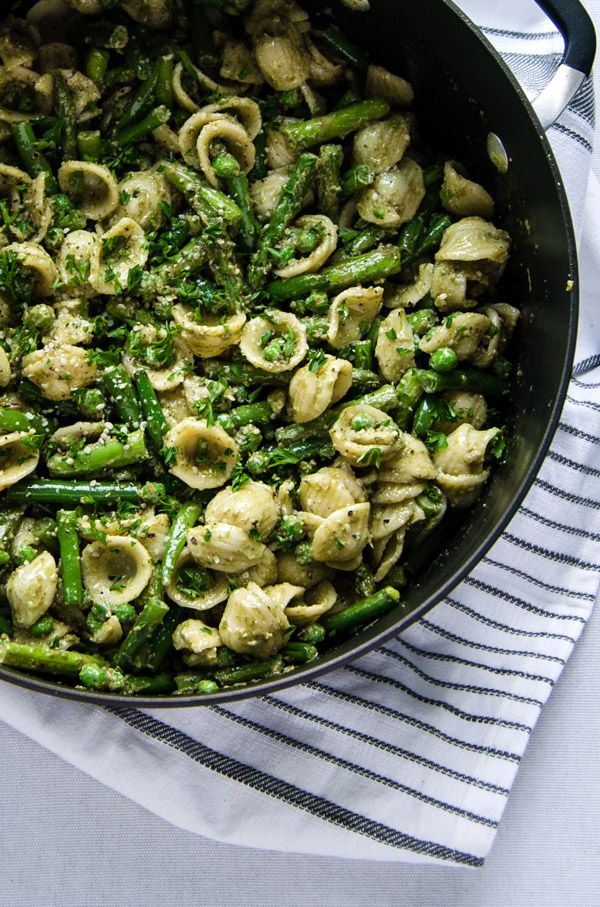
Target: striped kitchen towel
[{"x": 409, "y": 753}]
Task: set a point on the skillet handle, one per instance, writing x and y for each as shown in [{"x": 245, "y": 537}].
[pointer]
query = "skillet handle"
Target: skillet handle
[{"x": 577, "y": 29}]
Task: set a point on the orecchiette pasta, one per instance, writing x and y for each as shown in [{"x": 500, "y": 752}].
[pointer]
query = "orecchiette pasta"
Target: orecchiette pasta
[
  {"x": 387, "y": 85},
  {"x": 197, "y": 638},
  {"x": 312, "y": 392},
  {"x": 463, "y": 332},
  {"x": 382, "y": 144},
  {"x": 31, "y": 588},
  {"x": 317, "y": 601},
  {"x": 34, "y": 259},
  {"x": 317, "y": 258},
  {"x": 276, "y": 344},
  {"x": 252, "y": 507},
  {"x": 330, "y": 489},
  {"x": 115, "y": 570},
  {"x": 342, "y": 535},
  {"x": 463, "y": 197},
  {"x": 395, "y": 349},
  {"x": 459, "y": 467},
  {"x": 91, "y": 187},
  {"x": 142, "y": 197},
  {"x": 362, "y": 429},
  {"x": 194, "y": 587},
  {"x": 59, "y": 368},
  {"x": 394, "y": 197},
  {"x": 79, "y": 262},
  {"x": 224, "y": 547},
  {"x": 123, "y": 248},
  {"x": 349, "y": 310},
  {"x": 204, "y": 455},
  {"x": 17, "y": 458},
  {"x": 253, "y": 623},
  {"x": 211, "y": 336}
]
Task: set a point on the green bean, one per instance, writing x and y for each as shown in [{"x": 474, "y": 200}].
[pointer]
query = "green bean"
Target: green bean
[
  {"x": 236, "y": 373},
  {"x": 363, "y": 241},
  {"x": 146, "y": 624},
  {"x": 361, "y": 612},
  {"x": 299, "y": 653},
  {"x": 470, "y": 379},
  {"x": 160, "y": 643},
  {"x": 186, "y": 518},
  {"x": 64, "y": 107},
  {"x": 17, "y": 420},
  {"x": 53, "y": 491},
  {"x": 138, "y": 105},
  {"x": 250, "y": 414},
  {"x": 205, "y": 50},
  {"x": 111, "y": 454},
  {"x": 44, "y": 659},
  {"x": 31, "y": 157},
  {"x": 45, "y": 534},
  {"x": 345, "y": 48},
  {"x": 359, "y": 177},
  {"x": 288, "y": 206},
  {"x": 68, "y": 540},
  {"x": 90, "y": 401},
  {"x": 138, "y": 131},
  {"x": 335, "y": 125},
  {"x": 156, "y": 424},
  {"x": 248, "y": 673},
  {"x": 120, "y": 388},
  {"x": 328, "y": 181},
  {"x": 421, "y": 235},
  {"x": 368, "y": 268},
  {"x": 261, "y": 167},
  {"x": 164, "y": 81},
  {"x": 96, "y": 65}
]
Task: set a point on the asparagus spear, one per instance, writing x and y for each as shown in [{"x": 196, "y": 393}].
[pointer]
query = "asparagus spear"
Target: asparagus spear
[
  {"x": 249, "y": 672},
  {"x": 288, "y": 206},
  {"x": 64, "y": 108},
  {"x": 32, "y": 158},
  {"x": 361, "y": 612},
  {"x": 135, "y": 132},
  {"x": 328, "y": 180},
  {"x": 227, "y": 167},
  {"x": 336, "y": 124},
  {"x": 139, "y": 104},
  {"x": 96, "y": 65},
  {"x": 44, "y": 659},
  {"x": 369, "y": 268},
  {"x": 206, "y": 200}
]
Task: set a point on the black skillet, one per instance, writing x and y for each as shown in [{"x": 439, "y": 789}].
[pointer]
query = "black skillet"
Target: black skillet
[{"x": 474, "y": 110}]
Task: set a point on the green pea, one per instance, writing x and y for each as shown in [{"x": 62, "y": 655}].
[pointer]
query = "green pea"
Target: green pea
[
  {"x": 444, "y": 359},
  {"x": 99, "y": 612},
  {"x": 4, "y": 558},
  {"x": 42, "y": 627},
  {"x": 24, "y": 554},
  {"x": 92, "y": 675}
]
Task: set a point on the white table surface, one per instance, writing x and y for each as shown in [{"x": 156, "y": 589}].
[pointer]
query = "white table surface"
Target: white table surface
[{"x": 66, "y": 839}]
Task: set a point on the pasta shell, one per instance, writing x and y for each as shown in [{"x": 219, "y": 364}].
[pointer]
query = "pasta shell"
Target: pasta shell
[
  {"x": 115, "y": 571},
  {"x": 205, "y": 455}
]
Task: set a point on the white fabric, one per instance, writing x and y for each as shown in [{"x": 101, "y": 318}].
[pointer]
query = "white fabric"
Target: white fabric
[{"x": 409, "y": 753}]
